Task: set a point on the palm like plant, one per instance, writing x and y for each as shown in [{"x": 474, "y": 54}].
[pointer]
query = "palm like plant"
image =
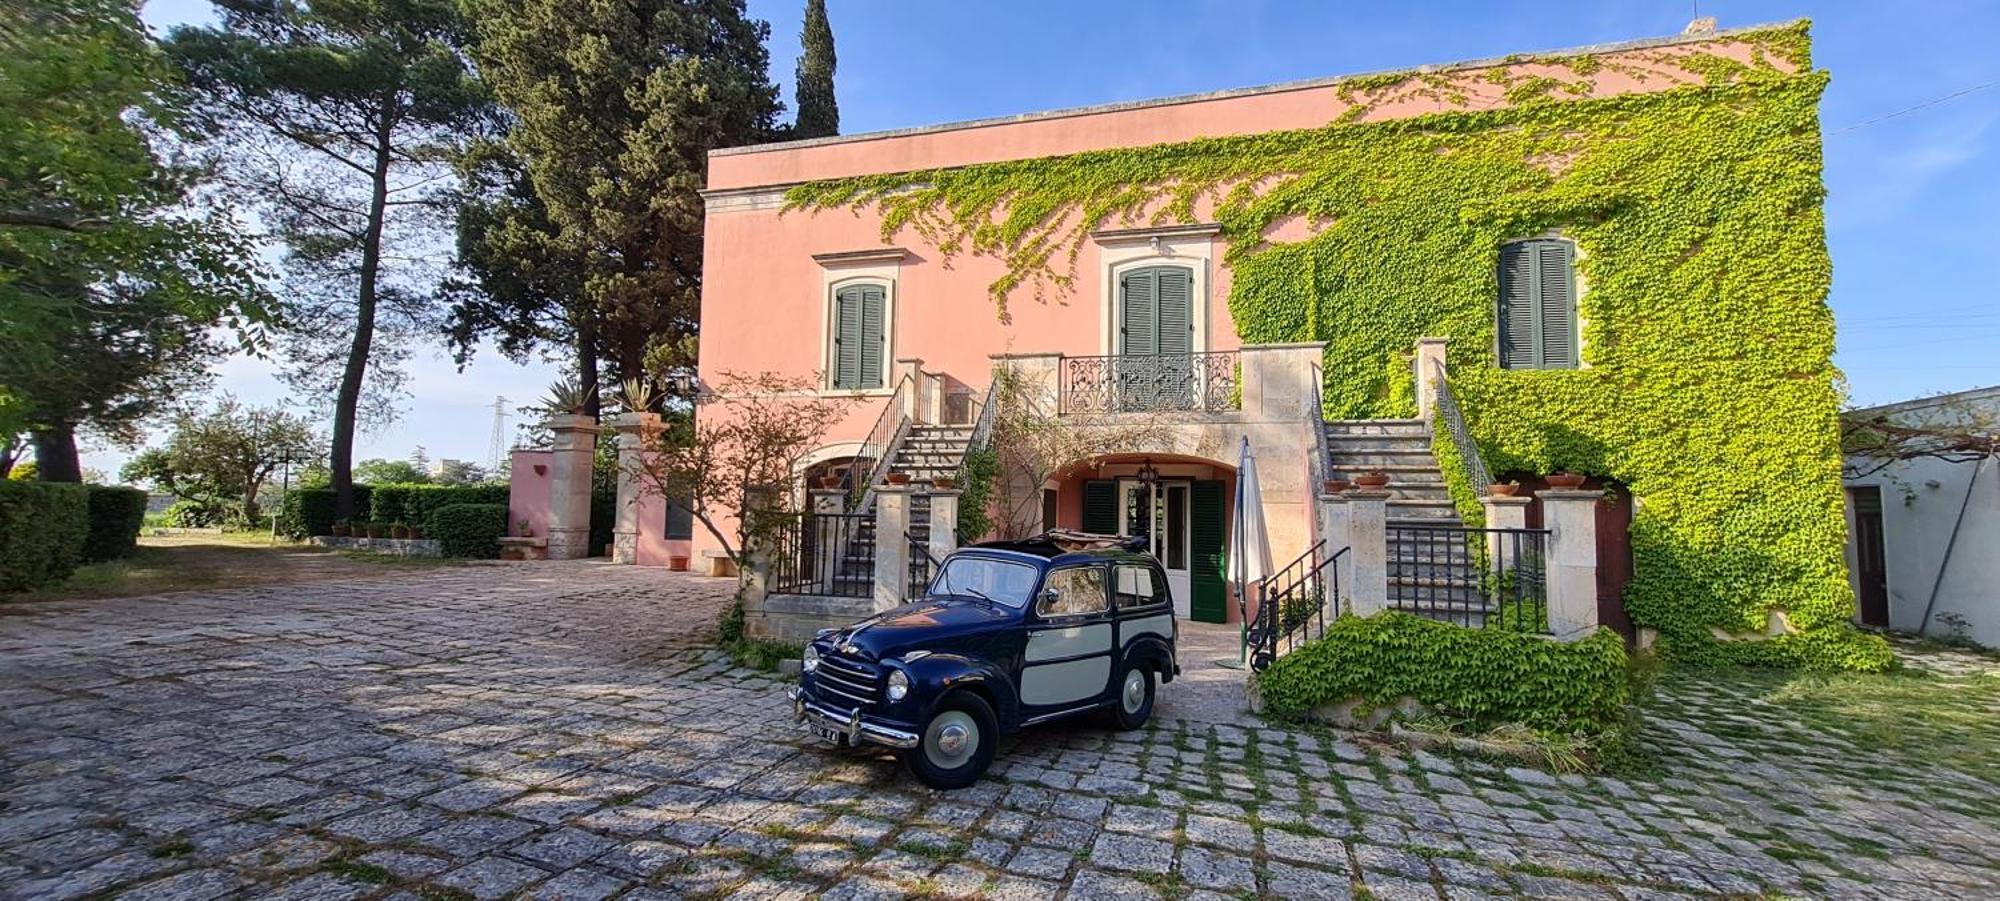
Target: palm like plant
[
  {"x": 637, "y": 395},
  {"x": 565, "y": 396}
]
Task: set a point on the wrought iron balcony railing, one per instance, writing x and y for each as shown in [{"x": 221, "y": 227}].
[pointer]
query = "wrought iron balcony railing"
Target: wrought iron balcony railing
[{"x": 1147, "y": 383}]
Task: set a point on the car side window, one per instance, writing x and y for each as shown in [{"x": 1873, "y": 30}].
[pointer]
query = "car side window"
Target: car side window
[
  {"x": 1136, "y": 586},
  {"x": 1075, "y": 591}
]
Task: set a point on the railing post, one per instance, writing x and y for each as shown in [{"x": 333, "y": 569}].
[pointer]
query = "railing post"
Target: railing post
[
  {"x": 1571, "y": 517},
  {"x": 1430, "y": 367},
  {"x": 827, "y": 537},
  {"x": 1335, "y": 530},
  {"x": 892, "y": 544},
  {"x": 944, "y": 522},
  {"x": 569, "y": 485},
  {"x": 913, "y": 405},
  {"x": 1368, "y": 547},
  {"x": 1503, "y": 513}
]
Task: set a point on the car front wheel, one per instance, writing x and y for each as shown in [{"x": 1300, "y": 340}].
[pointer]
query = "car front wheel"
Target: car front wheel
[
  {"x": 1135, "y": 698},
  {"x": 957, "y": 743}
]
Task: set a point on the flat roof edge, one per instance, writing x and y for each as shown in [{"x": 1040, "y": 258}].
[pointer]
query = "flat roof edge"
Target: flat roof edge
[{"x": 1278, "y": 88}]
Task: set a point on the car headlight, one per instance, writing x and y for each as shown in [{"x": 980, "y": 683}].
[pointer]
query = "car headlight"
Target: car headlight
[
  {"x": 812, "y": 659},
  {"x": 899, "y": 685}
]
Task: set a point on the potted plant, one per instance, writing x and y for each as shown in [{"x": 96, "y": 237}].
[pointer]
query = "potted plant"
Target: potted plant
[
  {"x": 416, "y": 532},
  {"x": 399, "y": 531},
  {"x": 340, "y": 528},
  {"x": 1566, "y": 480},
  {"x": 830, "y": 481},
  {"x": 1373, "y": 481},
  {"x": 944, "y": 482},
  {"x": 677, "y": 564},
  {"x": 1335, "y": 486},
  {"x": 375, "y": 530},
  {"x": 527, "y": 531},
  {"x": 1504, "y": 489},
  {"x": 899, "y": 478}
]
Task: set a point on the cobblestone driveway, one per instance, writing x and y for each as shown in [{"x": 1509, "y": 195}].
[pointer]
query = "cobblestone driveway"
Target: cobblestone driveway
[{"x": 554, "y": 730}]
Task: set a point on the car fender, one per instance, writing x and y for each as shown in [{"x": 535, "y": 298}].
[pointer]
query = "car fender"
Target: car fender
[
  {"x": 935, "y": 675},
  {"x": 1151, "y": 650}
]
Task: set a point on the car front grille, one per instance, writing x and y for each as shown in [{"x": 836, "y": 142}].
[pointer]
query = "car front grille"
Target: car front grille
[{"x": 847, "y": 683}]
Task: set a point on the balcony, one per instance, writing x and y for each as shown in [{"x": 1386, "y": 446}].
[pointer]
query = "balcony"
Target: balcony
[{"x": 1137, "y": 383}]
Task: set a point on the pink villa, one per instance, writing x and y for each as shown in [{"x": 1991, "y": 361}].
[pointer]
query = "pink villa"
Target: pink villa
[{"x": 1409, "y": 274}]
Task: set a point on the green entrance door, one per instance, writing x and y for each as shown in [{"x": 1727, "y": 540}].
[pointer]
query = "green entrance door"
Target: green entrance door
[
  {"x": 1108, "y": 510},
  {"x": 1208, "y": 531}
]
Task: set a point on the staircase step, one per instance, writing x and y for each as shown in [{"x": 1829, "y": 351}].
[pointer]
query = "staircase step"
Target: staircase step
[{"x": 1344, "y": 427}]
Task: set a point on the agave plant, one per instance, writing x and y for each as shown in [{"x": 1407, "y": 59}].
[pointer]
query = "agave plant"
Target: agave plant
[
  {"x": 566, "y": 396},
  {"x": 637, "y": 395}
]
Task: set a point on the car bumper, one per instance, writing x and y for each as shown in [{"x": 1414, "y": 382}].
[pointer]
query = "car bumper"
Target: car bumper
[{"x": 856, "y": 727}]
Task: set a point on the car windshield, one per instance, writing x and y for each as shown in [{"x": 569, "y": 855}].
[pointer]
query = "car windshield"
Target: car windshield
[{"x": 1000, "y": 581}]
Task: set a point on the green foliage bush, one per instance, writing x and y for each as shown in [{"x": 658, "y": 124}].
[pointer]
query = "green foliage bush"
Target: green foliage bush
[
  {"x": 309, "y": 511},
  {"x": 469, "y": 530},
  {"x": 1489, "y": 677},
  {"x": 116, "y": 516},
  {"x": 981, "y": 467},
  {"x": 193, "y": 515},
  {"x": 43, "y": 527},
  {"x": 1708, "y": 388},
  {"x": 415, "y": 504}
]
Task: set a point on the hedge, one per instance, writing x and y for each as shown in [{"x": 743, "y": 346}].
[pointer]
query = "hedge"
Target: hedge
[
  {"x": 116, "y": 516},
  {"x": 1487, "y": 676},
  {"x": 469, "y": 530},
  {"x": 43, "y": 527},
  {"x": 309, "y": 511},
  {"x": 193, "y": 515},
  {"x": 414, "y": 505}
]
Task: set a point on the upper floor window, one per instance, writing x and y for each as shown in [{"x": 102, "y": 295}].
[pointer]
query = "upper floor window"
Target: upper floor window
[
  {"x": 1538, "y": 304},
  {"x": 857, "y": 358},
  {"x": 1156, "y": 310}
]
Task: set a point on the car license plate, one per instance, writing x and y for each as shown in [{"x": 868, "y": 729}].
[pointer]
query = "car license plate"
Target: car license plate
[{"x": 830, "y": 736}]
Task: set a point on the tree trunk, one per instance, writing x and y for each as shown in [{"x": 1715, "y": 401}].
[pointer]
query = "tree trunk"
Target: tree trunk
[
  {"x": 55, "y": 454},
  {"x": 348, "y": 402},
  {"x": 586, "y": 363}
]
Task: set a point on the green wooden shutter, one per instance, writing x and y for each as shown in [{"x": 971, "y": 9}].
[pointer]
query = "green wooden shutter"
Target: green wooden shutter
[
  {"x": 1174, "y": 298},
  {"x": 873, "y": 299},
  {"x": 1207, "y": 533},
  {"x": 1138, "y": 327},
  {"x": 1538, "y": 305},
  {"x": 847, "y": 338},
  {"x": 1100, "y": 506}
]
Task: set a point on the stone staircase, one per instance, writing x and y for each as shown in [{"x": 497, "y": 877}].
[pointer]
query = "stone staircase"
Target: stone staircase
[
  {"x": 925, "y": 453},
  {"x": 1430, "y": 572}
]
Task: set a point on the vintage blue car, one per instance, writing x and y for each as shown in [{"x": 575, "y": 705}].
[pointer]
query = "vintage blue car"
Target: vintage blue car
[{"x": 1008, "y": 635}]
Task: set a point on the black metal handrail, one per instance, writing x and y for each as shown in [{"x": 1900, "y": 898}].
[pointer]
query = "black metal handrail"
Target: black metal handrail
[
  {"x": 871, "y": 460},
  {"x": 1294, "y": 605},
  {"x": 1472, "y": 465},
  {"x": 1477, "y": 578},
  {"x": 825, "y": 554},
  {"x": 1149, "y": 383},
  {"x": 923, "y": 566}
]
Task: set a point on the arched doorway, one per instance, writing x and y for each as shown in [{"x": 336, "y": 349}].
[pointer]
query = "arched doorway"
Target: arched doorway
[{"x": 1180, "y": 504}]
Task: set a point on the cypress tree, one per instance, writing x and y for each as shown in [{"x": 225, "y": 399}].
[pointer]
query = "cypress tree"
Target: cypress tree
[{"x": 819, "y": 112}]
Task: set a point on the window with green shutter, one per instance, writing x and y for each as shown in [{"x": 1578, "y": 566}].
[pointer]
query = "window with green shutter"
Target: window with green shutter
[
  {"x": 1538, "y": 304},
  {"x": 1156, "y": 311},
  {"x": 859, "y": 328}
]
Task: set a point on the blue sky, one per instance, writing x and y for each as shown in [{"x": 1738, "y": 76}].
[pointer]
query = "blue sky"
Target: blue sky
[{"x": 1913, "y": 211}]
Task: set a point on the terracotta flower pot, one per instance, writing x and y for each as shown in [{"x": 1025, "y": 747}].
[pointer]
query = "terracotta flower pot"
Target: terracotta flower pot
[
  {"x": 944, "y": 482},
  {"x": 829, "y": 482},
  {"x": 677, "y": 564},
  {"x": 898, "y": 478},
  {"x": 1503, "y": 489},
  {"x": 416, "y": 533},
  {"x": 399, "y": 532},
  {"x": 374, "y": 530},
  {"x": 1335, "y": 486},
  {"x": 1566, "y": 480},
  {"x": 1372, "y": 481},
  {"x": 340, "y": 530}
]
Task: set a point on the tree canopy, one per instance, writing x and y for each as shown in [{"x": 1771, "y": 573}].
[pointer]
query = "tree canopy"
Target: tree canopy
[
  {"x": 225, "y": 455},
  {"x": 819, "y": 113}
]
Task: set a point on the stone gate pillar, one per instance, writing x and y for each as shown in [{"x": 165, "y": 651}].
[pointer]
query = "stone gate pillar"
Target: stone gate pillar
[
  {"x": 575, "y": 455},
  {"x": 634, "y": 430},
  {"x": 827, "y": 536},
  {"x": 1333, "y": 529},
  {"x": 944, "y": 522},
  {"x": 1368, "y": 545},
  {"x": 1571, "y": 517},
  {"x": 1505, "y": 513},
  {"x": 1430, "y": 368},
  {"x": 892, "y": 544}
]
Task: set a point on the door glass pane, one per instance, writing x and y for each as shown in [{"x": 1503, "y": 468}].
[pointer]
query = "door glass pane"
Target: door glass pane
[
  {"x": 1138, "y": 512},
  {"x": 1177, "y": 497},
  {"x": 1076, "y": 590},
  {"x": 1135, "y": 586}
]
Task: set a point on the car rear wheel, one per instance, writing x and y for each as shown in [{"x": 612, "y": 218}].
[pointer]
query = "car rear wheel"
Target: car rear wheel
[
  {"x": 1135, "y": 698},
  {"x": 956, "y": 745}
]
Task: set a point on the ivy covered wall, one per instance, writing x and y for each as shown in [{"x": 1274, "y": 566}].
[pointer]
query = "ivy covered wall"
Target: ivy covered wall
[{"x": 1708, "y": 388}]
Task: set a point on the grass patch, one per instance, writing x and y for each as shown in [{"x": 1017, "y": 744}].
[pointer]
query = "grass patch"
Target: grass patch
[
  {"x": 177, "y": 846},
  {"x": 760, "y": 654},
  {"x": 358, "y": 871}
]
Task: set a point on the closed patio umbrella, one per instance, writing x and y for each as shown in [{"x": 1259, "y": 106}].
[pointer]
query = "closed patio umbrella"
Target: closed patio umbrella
[{"x": 1249, "y": 547}]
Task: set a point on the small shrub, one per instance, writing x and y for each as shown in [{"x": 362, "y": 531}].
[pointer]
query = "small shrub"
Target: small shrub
[
  {"x": 116, "y": 515},
  {"x": 309, "y": 511},
  {"x": 43, "y": 527},
  {"x": 415, "y": 504},
  {"x": 193, "y": 515},
  {"x": 469, "y": 530}
]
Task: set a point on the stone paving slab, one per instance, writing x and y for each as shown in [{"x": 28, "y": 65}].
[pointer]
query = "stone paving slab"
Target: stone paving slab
[{"x": 560, "y": 730}]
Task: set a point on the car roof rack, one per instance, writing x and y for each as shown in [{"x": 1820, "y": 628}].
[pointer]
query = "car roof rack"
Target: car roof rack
[{"x": 1056, "y": 542}]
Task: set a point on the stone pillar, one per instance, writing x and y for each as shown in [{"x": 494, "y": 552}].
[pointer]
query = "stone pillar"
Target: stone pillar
[
  {"x": 892, "y": 544},
  {"x": 633, "y": 431},
  {"x": 944, "y": 522},
  {"x": 827, "y": 536},
  {"x": 933, "y": 398},
  {"x": 913, "y": 399},
  {"x": 1334, "y": 530},
  {"x": 1039, "y": 377},
  {"x": 1504, "y": 513},
  {"x": 569, "y": 485},
  {"x": 1430, "y": 365},
  {"x": 1571, "y": 517},
  {"x": 1368, "y": 547},
  {"x": 1277, "y": 380}
]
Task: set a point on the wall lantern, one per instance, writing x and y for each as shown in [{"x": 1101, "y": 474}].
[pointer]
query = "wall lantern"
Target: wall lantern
[{"x": 1147, "y": 474}]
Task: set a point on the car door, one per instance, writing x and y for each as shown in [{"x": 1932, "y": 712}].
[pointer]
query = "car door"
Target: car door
[
  {"x": 1067, "y": 662},
  {"x": 1142, "y": 604}
]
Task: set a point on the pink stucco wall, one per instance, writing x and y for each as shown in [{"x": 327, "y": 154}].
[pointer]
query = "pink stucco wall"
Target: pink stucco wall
[{"x": 528, "y": 486}]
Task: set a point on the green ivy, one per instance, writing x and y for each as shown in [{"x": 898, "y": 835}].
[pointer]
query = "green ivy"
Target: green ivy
[
  {"x": 1708, "y": 390},
  {"x": 1502, "y": 676},
  {"x": 981, "y": 467},
  {"x": 468, "y": 530}
]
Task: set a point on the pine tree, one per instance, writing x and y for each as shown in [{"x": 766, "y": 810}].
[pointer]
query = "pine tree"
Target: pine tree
[{"x": 819, "y": 112}]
